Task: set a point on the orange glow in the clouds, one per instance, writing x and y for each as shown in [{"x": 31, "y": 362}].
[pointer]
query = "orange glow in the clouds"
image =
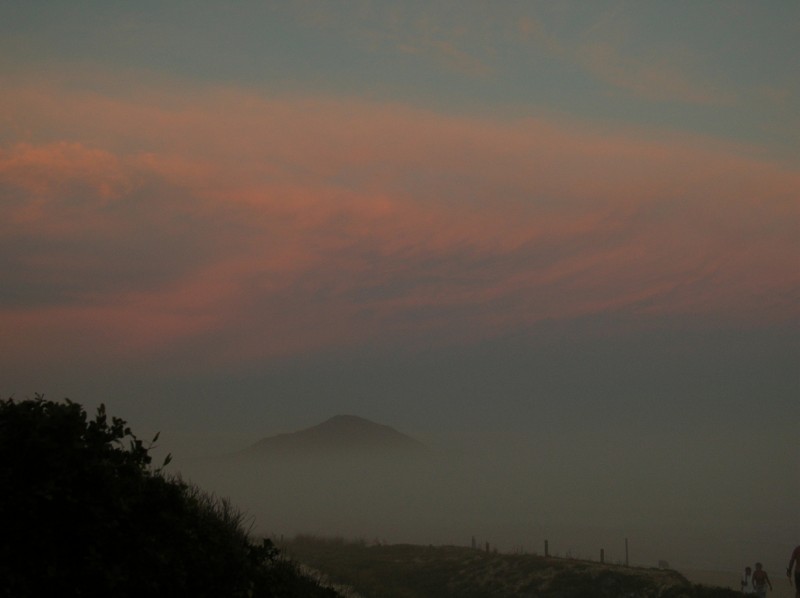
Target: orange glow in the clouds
[{"x": 290, "y": 224}]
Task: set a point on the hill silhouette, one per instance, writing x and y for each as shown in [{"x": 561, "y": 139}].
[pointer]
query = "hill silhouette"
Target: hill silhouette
[{"x": 340, "y": 435}]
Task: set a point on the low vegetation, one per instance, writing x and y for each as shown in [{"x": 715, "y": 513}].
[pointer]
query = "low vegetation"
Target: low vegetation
[
  {"x": 407, "y": 571},
  {"x": 84, "y": 513}
]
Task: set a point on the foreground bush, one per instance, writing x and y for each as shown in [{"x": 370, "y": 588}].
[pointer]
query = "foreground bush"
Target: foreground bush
[{"x": 83, "y": 513}]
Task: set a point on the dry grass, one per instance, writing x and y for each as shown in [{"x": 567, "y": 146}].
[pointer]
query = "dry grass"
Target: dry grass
[{"x": 408, "y": 571}]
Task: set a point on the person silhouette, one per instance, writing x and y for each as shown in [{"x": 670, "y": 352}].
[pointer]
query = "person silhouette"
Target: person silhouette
[
  {"x": 794, "y": 561},
  {"x": 761, "y": 581},
  {"x": 747, "y": 584}
]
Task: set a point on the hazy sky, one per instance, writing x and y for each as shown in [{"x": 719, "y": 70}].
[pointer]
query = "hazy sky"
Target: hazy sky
[{"x": 569, "y": 225}]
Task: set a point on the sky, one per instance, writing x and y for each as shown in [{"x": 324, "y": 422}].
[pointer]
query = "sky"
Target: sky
[{"x": 569, "y": 228}]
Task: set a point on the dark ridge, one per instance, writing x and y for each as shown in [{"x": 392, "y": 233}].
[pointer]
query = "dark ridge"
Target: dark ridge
[{"x": 339, "y": 434}]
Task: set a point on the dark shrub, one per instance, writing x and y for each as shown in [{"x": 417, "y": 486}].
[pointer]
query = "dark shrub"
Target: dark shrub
[{"x": 83, "y": 513}]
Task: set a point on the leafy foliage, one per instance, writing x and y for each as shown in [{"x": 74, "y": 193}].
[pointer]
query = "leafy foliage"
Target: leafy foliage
[{"x": 83, "y": 513}]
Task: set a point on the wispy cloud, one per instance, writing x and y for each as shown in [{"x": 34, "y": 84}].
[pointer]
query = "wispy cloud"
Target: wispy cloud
[
  {"x": 606, "y": 51},
  {"x": 657, "y": 78},
  {"x": 247, "y": 226},
  {"x": 440, "y": 36}
]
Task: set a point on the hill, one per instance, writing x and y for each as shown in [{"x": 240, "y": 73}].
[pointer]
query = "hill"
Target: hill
[
  {"x": 339, "y": 435},
  {"x": 409, "y": 571}
]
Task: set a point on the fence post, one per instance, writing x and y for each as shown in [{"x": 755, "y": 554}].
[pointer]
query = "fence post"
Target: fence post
[
  {"x": 602, "y": 555},
  {"x": 627, "y": 562},
  {"x": 546, "y": 549}
]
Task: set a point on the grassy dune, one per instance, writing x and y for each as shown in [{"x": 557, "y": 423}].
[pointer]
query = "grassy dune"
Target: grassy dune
[{"x": 409, "y": 571}]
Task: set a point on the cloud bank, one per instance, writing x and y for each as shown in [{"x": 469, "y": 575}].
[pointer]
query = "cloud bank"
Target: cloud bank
[{"x": 163, "y": 218}]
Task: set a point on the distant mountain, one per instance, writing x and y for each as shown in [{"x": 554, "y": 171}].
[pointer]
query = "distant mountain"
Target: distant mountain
[{"x": 342, "y": 434}]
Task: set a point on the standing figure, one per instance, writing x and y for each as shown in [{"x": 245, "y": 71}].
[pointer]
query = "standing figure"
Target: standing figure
[
  {"x": 794, "y": 561},
  {"x": 761, "y": 581},
  {"x": 747, "y": 584}
]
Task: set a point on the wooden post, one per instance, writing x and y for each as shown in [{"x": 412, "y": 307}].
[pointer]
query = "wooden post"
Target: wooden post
[
  {"x": 487, "y": 547},
  {"x": 627, "y": 562},
  {"x": 474, "y": 546},
  {"x": 546, "y": 549},
  {"x": 602, "y": 555}
]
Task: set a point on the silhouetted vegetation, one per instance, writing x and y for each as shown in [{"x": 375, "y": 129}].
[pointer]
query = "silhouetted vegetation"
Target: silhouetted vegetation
[
  {"x": 84, "y": 513},
  {"x": 408, "y": 571}
]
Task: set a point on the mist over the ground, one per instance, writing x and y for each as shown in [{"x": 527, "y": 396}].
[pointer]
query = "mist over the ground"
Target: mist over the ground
[{"x": 673, "y": 501}]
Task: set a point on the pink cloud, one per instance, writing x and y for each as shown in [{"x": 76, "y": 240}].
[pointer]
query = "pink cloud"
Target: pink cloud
[
  {"x": 40, "y": 169},
  {"x": 286, "y": 225}
]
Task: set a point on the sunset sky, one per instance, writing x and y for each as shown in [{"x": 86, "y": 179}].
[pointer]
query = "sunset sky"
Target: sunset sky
[{"x": 499, "y": 220}]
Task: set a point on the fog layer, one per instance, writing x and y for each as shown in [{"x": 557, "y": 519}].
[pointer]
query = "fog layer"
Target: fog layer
[{"x": 676, "y": 502}]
